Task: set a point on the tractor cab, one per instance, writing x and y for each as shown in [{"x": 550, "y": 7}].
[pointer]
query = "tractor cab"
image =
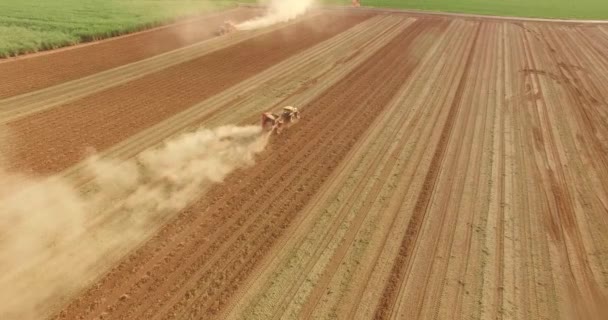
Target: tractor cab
[{"x": 291, "y": 113}]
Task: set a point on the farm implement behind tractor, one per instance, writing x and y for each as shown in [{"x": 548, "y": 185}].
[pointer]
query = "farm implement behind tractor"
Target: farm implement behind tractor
[{"x": 272, "y": 122}]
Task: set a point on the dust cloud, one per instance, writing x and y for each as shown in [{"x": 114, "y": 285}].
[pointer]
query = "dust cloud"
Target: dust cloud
[
  {"x": 278, "y": 11},
  {"x": 55, "y": 237}
]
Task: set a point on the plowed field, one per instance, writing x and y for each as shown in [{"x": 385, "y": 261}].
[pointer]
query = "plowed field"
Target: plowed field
[{"x": 444, "y": 167}]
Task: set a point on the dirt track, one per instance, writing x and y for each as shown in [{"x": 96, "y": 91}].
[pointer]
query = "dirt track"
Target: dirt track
[{"x": 443, "y": 168}]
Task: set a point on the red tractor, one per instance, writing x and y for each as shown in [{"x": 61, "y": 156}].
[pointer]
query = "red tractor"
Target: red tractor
[{"x": 275, "y": 122}]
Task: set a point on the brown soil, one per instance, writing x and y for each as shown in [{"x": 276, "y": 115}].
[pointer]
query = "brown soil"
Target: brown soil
[
  {"x": 422, "y": 203},
  {"x": 204, "y": 258},
  {"x": 28, "y": 74},
  {"x": 107, "y": 117},
  {"x": 490, "y": 199}
]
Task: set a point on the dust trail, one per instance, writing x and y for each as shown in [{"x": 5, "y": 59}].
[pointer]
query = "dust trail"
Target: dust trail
[
  {"x": 54, "y": 239},
  {"x": 278, "y": 11}
]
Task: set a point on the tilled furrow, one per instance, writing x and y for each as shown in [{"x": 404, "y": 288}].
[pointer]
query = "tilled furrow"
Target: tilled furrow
[
  {"x": 319, "y": 110},
  {"x": 223, "y": 215},
  {"x": 360, "y": 202},
  {"x": 214, "y": 306},
  {"x": 221, "y": 235},
  {"x": 118, "y": 288},
  {"x": 402, "y": 260}
]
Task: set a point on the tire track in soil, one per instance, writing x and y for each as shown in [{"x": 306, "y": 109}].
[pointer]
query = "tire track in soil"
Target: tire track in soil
[
  {"x": 424, "y": 281},
  {"x": 468, "y": 252},
  {"x": 245, "y": 289},
  {"x": 444, "y": 88},
  {"x": 392, "y": 80},
  {"x": 494, "y": 300},
  {"x": 451, "y": 201},
  {"x": 498, "y": 309},
  {"x": 584, "y": 86},
  {"x": 512, "y": 188},
  {"x": 566, "y": 230},
  {"x": 541, "y": 162},
  {"x": 278, "y": 214},
  {"x": 368, "y": 200},
  {"x": 390, "y": 293},
  {"x": 107, "y": 117},
  {"x": 457, "y": 47},
  {"x": 41, "y": 71},
  {"x": 590, "y": 148},
  {"x": 525, "y": 299},
  {"x": 275, "y": 182},
  {"x": 289, "y": 273},
  {"x": 604, "y": 30}
]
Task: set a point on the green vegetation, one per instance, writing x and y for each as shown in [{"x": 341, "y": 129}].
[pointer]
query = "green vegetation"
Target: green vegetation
[
  {"x": 565, "y": 9},
  {"x": 33, "y": 25}
]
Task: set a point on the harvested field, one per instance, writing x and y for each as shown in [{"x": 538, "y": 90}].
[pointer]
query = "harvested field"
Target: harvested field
[
  {"x": 52, "y": 68},
  {"x": 444, "y": 167},
  {"x": 99, "y": 123}
]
